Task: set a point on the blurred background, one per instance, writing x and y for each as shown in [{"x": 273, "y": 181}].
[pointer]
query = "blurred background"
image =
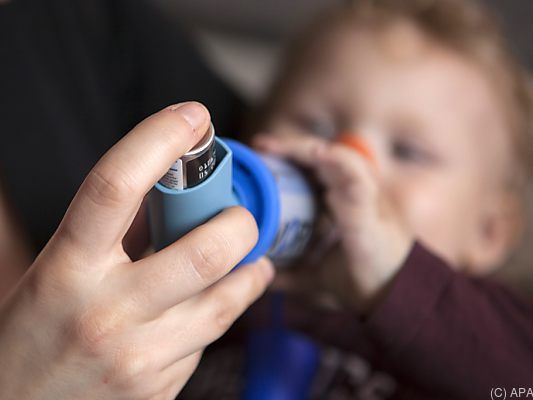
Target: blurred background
[{"x": 243, "y": 40}]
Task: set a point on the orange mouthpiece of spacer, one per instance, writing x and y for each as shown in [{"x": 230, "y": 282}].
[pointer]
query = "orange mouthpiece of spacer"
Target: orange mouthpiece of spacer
[{"x": 359, "y": 145}]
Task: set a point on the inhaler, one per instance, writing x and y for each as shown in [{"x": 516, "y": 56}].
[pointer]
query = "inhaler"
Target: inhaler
[
  {"x": 217, "y": 174},
  {"x": 220, "y": 173}
]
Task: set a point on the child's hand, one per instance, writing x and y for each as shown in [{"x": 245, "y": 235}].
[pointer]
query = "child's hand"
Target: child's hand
[{"x": 374, "y": 240}]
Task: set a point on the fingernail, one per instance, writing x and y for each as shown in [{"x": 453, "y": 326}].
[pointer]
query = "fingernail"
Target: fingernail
[
  {"x": 268, "y": 269},
  {"x": 194, "y": 113}
]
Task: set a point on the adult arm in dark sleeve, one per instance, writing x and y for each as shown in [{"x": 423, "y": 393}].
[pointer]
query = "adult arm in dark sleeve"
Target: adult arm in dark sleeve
[{"x": 451, "y": 336}]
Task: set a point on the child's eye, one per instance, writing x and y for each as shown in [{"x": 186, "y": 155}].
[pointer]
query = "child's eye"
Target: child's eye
[
  {"x": 319, "y": 126},
  {"x": 405, "y": 151}
]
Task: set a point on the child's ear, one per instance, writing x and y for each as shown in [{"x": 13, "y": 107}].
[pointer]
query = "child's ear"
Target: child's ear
[{"x": 499, "y": 227}]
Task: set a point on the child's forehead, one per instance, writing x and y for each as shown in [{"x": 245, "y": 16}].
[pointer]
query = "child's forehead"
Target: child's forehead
[
  {"x": 400, "y": 39},
  {"x": 354, "y": 60}
]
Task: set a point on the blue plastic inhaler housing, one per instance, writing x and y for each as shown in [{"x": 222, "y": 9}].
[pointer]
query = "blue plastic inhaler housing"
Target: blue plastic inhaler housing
[{"x": 240, "y": 178}]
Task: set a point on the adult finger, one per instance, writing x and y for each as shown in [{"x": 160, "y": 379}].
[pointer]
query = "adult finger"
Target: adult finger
[
  {"x": 137, "y": 239},
  {"x": 194, "y": 262},
  {"x": 342, "y": 168},
  {"x": 108, "y": 199},
  {"x": 202, "y": 319},
  {"x": 174, "y": 377}
]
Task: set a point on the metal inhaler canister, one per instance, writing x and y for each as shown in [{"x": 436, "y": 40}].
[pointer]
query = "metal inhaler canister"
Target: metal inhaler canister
[{"x": 193, "y": 167}]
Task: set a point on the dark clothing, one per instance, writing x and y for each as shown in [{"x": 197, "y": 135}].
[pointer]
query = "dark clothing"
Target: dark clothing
[
  {"x": 442, "y": 333},
  {"x": 75, "y": 75},
  {"x": 438, "y": 334}
]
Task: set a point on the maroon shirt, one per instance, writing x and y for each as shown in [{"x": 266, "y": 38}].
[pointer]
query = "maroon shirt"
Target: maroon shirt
[
  {"x": 438, "y": 334},
  {"x": 450, "y": 336}
]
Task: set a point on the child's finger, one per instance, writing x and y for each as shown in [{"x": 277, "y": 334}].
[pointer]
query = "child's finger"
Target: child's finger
[
  {"x": 342, "y": 168},
  {"x": 346, "y": 211},
  {"x": 300, "y": 148}
]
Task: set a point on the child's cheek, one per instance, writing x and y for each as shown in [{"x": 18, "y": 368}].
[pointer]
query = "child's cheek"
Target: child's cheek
[{"x": 433, "y": 216}]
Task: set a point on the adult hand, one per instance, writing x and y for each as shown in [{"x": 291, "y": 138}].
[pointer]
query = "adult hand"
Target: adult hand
[{"x": 86, "y": 322}]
